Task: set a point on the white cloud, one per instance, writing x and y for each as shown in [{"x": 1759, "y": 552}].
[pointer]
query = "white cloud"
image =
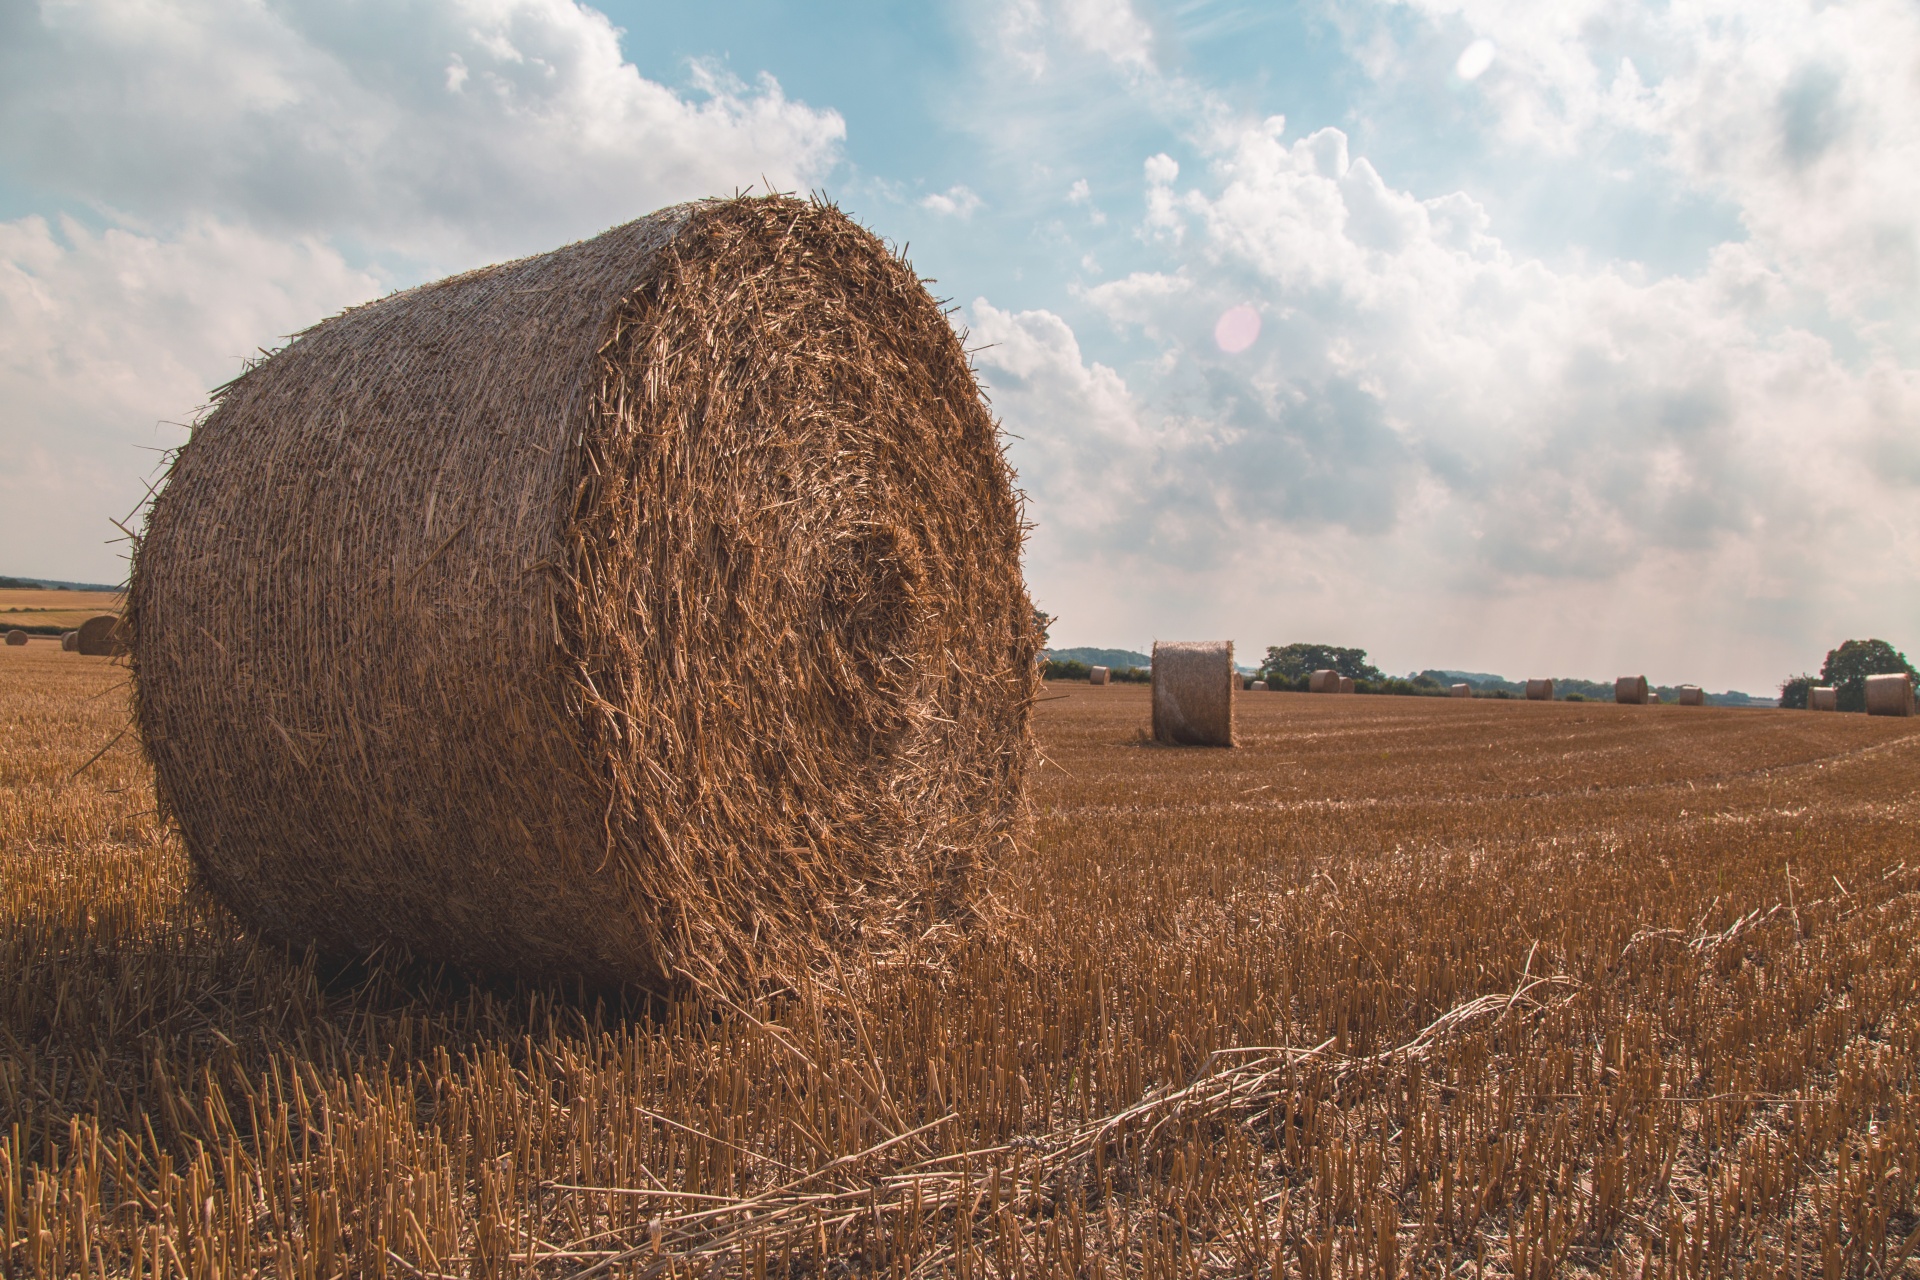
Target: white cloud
[
  {"x": 954, "y": 202},
  {"x": 458, "y": 129},
  {"x": 1029, "y": 31},
  {"x": 111, "y": 340}
]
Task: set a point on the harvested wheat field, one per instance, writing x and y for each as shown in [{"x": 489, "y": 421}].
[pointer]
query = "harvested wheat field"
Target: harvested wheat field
[
  {"x": 1400, "y": 986},
  {"x": 53, "y": 611}
]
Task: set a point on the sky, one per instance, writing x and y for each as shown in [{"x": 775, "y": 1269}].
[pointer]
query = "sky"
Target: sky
[{"x": 1576, "y": 339}]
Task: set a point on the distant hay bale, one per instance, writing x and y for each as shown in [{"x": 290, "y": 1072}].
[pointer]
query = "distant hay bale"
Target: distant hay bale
[
  {"x": 454, "y": 682},
  {"x": 16, "y": 638},
  {"x": 1890, "y": 695},
  {"x": 1540, "y": 691},
  {"x": 1823, "y": 697},
  {"x": 1691, "y": 695},
  {"x": 1097, "y": 675},
  {"x": 1193, "y": 693},
  {"x": 1631, "y": 690},
  {"x": 1258, "y": 686},
  {"x": 101, "y": 636},
  {"x": 1460, "y": 690},
  {"x": 1346, "y": 684},
  {"x": 1324, "y": 682},
  {"x": 70, "y": 641}
]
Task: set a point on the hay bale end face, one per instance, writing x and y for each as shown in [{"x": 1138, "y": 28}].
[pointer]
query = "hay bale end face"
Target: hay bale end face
[
  {"x": 1540, "y": 691},
  {"x": 101, "y": 636},
  {"x": 1258, "y": 686},
  {"x": 1890, "y": 695},
  {"x": 1460, "y": 690},
  {"x": 1691, "y": 695},
  {"x": 1346, "y": 684},
  {"x": 1098, "y": 675},
  {"x": 1193, "y": 693},
  {"x": 1631, "y": 690},
  {"x": 16, "y": 638},
  {"x": 1324, "y": 682},
  {"x": 1823, "y": 697},
  {"x": 70, "y": 641},
  {"x": 732, "y": 434}
]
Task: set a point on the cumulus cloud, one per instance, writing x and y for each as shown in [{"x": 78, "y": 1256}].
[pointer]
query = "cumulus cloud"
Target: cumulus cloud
[
  {"x": 954, "y": 202},
  {"x": 456, "y": 128},
  {"x": 1112, "y": 31}
]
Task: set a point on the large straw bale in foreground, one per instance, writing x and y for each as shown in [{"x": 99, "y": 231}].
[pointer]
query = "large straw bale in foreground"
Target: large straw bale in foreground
[
  {"x": 435, "y": 617},
  {"x": 1890, "y": 695},
  {"x": 1193, "y": 693},
  {"x": 1631, "y": 689},
  {"x": 1540, "y": 691},
  {"x": 1823, "y": 697}
]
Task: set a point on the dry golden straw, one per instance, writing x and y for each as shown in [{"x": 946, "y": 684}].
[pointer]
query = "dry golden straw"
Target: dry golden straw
[
  {"x": 1193, "y": 693},
  {"x": 1631, "y": 690},
  {"x": 1890, "y": 695},
  {"x": 1823, "y": 697},
  {"x": 1540, "y": 691},
  {"x": 1097, "y": 675},
  {"x": 435, "y": 614}
]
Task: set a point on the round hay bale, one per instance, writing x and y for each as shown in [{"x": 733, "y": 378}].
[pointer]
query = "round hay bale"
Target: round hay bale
[
  {"x": 1823, "y": 697},
  {"x": 1540, "y": 691},
  {"x": 1890, "y": 695},
  {"x": 1346, "y": 684},
  {"x": 1324, "y": 682},
  {"x": 1098, "y": 675},
  {"x": 1691, "y": 695},
  {"x": 1460, "y": 690},
  {"x": 1258, "y": 686},
  {"x": 1631, "y": 690},
  {"x": 1193, "y": 693},
  {"x": 16, "y": 637},
  {"x": 101, "y": 636},
  {"x": 70, "y": 641},
  {"x": 735, "y": 434}
]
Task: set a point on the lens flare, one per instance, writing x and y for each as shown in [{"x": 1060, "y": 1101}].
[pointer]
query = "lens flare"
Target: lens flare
[{"x": 1237, "y": 329}]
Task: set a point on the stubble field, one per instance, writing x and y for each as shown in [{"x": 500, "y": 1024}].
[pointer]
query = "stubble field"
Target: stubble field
[{"x": 1401, "y": 986}]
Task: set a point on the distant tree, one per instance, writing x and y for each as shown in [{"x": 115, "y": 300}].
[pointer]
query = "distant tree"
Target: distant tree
[
  {"x": 1298, "y": 661},
  {"x": 1043, "y": 622},
  {"x": 1793, "y": 693},
  {"x": 1848, "y": 667}
]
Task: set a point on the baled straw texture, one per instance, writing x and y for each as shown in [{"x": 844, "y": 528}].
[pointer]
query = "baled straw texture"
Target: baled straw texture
[
  {"x": 16, "y": 637},
  {"x": 1691, "y": 695},
  {"x": 1346, "y": 684},
  {"x": 1890, "y": 695},
  {"x": 1193, "y": 693},
  {"x": 436, "y": 613},
  {"x": 1097, "y": 675},
  {"x": 1324, "y": 682},
  {"x": 1540, "y": 691},
  {"x": 1630, "y": 689},
  {"x": 101, "y": 636},
  {"x": 70, "y": 642},
  {"x": 1460, "y": 690},
  {"x": 1823, "y": 697}
]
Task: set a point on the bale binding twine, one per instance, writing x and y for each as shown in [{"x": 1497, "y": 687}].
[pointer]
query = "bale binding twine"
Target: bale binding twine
[
  {"x": 1193, "y": 693},
  {"x": 435, "y": 617},
  {"x": 1890, "y": 695}
]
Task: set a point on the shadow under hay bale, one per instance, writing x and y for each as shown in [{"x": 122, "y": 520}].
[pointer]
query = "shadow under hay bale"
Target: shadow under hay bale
[
  {"x": 736, "y": 433},
  {"x": 1823, "y": 697},
  {"x": 1193, "y": 693},
  {"x": 1890, "y": 695},
  {"x": 1631, "y": 690},
  {"x": 101, "y": 636},
  {"x": 1540, "y": 691}
]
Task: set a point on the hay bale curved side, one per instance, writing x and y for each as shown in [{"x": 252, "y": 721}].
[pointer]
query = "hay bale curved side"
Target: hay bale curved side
[
  {"x": 1540, "y": 691},
  {"x": 70, "y": 642},
  {"x": 1631, "y": 690},
  {"x": 1823, "y": 697},
  {"x": 1193, "y": 693},
  {"x": 1098, "y": 675},
  {"x": 733, "y": 434},
  {"x": 1460, "y": 690},
  {"x": 1691, "y": 695},
  {"x": 16, "y": 638},
  {"x": 1324, "y": 681},
  {"x": 1890, "y": 695},
  {"x": 1258, "y": 686},
  {"x": 102, "y": 636}
]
